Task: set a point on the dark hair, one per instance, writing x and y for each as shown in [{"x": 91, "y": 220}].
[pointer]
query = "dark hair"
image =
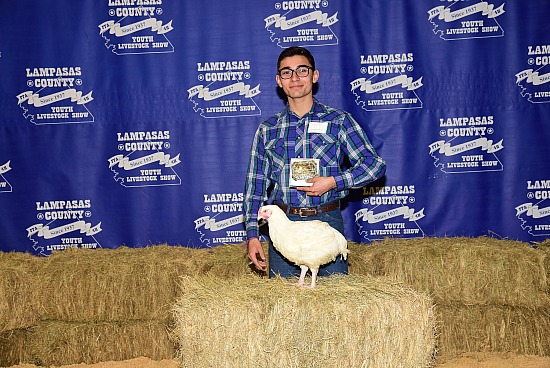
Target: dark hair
[{"x": 293, "y": 51}]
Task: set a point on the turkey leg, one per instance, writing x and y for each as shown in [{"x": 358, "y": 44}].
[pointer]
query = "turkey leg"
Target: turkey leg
[
  {"x": 314, "y": 277},
  {"x": 303, "y": 272}
]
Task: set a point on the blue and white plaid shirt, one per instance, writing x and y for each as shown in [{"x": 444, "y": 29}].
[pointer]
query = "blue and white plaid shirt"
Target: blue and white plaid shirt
[{"x": 285, "y": 136}]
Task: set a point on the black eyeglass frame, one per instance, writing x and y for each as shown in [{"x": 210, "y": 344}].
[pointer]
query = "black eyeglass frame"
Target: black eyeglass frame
[{"x": 292, "y": 71}]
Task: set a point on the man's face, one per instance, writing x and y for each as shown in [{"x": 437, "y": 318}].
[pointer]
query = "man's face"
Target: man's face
[{"x": 297, "y": 87}]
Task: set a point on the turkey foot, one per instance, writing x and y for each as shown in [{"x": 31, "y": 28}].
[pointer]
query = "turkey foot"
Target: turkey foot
[{"x": 301, "y": 281}]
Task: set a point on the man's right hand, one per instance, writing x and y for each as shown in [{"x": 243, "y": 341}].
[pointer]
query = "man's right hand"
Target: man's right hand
[{"x": 254, "y": 250}]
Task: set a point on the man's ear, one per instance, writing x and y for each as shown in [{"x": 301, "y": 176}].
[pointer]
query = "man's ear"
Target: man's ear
[
  {"x": 315, "y": 76},
  {"x": 278, "y": 80}
]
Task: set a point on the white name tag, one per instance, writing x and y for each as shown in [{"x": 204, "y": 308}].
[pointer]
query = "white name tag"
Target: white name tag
[{"x": 315, "y": 127}]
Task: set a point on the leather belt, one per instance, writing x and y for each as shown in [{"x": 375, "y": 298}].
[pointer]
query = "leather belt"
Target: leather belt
[{"x": 309, "y": 211}]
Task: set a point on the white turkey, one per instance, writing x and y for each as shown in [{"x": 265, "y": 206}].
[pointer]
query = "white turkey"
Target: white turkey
[{"x": 309, "y": 244}]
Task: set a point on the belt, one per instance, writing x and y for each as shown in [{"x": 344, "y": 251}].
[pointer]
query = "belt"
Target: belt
[{"x": 309, "y": 211}]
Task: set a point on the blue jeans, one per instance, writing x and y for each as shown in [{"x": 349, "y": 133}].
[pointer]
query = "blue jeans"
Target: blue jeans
[{"x": 278, "y": 265}]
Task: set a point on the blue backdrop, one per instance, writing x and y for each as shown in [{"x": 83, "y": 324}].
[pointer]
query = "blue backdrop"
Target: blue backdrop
[{"x": 129, "y": 122}]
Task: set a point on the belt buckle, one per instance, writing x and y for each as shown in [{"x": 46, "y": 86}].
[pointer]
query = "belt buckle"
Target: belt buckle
[{"x": 301, "y": 211}]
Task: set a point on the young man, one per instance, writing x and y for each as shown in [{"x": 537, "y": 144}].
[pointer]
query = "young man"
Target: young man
[{"x": 305, "y": 128}]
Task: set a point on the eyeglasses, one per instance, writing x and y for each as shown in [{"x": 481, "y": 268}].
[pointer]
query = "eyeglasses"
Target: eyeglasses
[{"x": 301, "y": 71}]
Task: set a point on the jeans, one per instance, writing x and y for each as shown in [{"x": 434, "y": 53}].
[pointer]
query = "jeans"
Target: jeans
[{"x": 278, "y": 265}]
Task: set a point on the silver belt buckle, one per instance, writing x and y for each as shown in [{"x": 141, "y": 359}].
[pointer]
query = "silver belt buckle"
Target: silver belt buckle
[{"x": 300, "y": 212}]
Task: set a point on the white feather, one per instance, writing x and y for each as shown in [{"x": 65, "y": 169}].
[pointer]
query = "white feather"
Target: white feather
[{"x": 306, "y": 243}]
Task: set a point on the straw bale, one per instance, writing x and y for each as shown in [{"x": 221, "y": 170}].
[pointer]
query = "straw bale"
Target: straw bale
[
  {"x": 12, "y": 347},
  {"x": 61, "y": 343},
  {"x": 18, "y": 291},
  {"x": 544, "y": 244},
  {"x": 228, "y": 260},
  {"x": 124, "y": 283},
  {"x": 496, "y": 328},
  {"x": 472, "y": 271},
  {"x": 490, "y": 294},
  {"x": 347, "y": 321},
  {"x": 544, "y": 248}
]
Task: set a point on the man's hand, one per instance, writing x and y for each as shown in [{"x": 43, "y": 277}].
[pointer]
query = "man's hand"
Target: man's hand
[
  {"x": 321, "y": 185},
  {"x": 254, "y": 250}
]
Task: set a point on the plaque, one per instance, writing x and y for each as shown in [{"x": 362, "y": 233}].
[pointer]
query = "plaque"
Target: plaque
[{"x": 302, "y": 169}]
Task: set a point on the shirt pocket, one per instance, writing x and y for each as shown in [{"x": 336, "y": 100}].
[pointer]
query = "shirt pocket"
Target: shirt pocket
[
  {"x": 276, "y": 152},
  {"x": 325, "y": 147}
]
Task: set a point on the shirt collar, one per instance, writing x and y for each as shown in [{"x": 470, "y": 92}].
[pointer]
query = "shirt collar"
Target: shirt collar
[{"x": 314, "y": 108}]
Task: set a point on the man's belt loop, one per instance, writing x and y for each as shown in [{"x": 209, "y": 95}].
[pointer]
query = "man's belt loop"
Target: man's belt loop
[{"x": 309, "y": 211}]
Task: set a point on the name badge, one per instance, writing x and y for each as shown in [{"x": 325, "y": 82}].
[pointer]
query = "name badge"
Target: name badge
[{"x": 317, "y": 127}]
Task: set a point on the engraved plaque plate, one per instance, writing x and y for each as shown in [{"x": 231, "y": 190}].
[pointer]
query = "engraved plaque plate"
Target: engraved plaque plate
[{"x": 302, "y": 169}]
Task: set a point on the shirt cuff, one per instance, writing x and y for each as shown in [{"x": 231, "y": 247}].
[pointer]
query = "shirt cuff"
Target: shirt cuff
[
  {"x": 340, "y": 182},
  {"x": 252, "y": 233}
]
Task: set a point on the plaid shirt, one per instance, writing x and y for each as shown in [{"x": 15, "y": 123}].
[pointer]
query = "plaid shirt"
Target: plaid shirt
[{"x": 284, "y": 136}]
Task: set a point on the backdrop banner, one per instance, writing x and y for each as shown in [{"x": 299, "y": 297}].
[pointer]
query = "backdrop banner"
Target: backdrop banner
[{"x": 129, "y": 122}]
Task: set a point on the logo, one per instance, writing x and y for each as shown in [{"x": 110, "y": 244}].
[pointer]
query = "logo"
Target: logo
[
  {"x": 55, "y": 98},
  {"x": 466, "y": 147},
  {"x": 213, "y": 230},
  {"x": 534, "y": 82},
  {"x": 225, "y": 93},
  {"x": 387, "y": 87},
  {"x": 5, "y": 186},
  {"x": 144, "y": 162},
  {"x": 302, "y": 23},
  {"x": 136, "y": 30},
  {"x": 63, "y": 224},
  {"x": 475, "y": 21},
  {"x": 389, "y": 213},
  {"x": 535, "y": 214}
]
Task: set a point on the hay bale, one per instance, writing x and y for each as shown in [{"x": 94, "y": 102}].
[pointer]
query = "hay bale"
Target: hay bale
[
  {"x": 61, "y": 343},
  {"x": 18, "y": 291},
  {"x": 544, "y": 248},
  {"x": 477, "y": 284},
  {"x": 228, "y": 260},
  {"x": 347, "y": 321},
  {"x": 98, "y": 290},
  {"x": 124, "y": 283},
  {"x": 13, "y": 347},
  {"x": 470, "y": 271},
  {"x": 109, "y": 285},
  {"x": 498, "y": 328}
]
